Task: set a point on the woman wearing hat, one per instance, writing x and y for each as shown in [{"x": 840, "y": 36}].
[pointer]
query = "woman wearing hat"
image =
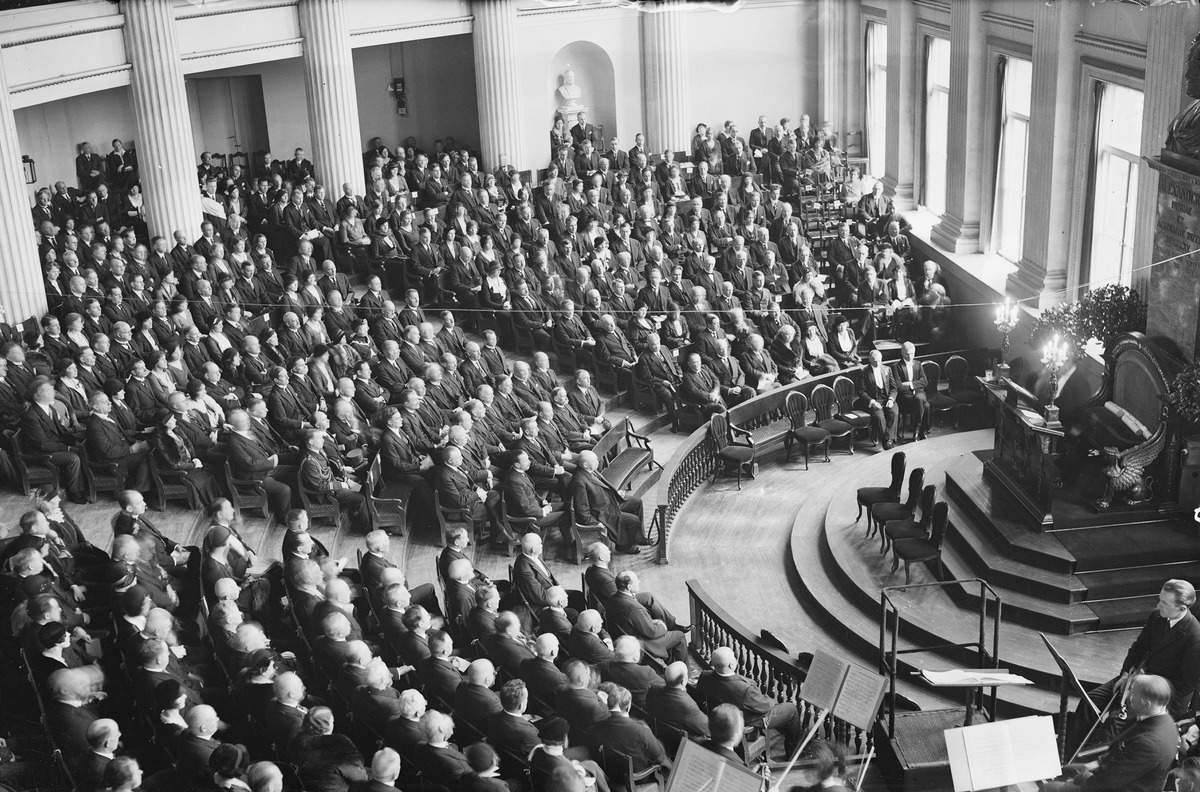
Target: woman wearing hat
[
  {"x": 843, "y": 344},
  {"x": 173, "y": 451}
]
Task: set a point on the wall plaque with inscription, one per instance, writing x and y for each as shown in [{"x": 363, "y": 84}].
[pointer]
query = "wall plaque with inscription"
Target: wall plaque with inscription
[{"x": 1173, "y": 310}]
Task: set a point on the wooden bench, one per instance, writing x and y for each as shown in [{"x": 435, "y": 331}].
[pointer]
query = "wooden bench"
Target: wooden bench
[{"x": 621, "y": 452}]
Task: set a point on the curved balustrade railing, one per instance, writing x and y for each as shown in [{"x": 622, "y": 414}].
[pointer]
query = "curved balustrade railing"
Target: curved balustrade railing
[
  {"x": 694, "y": 460},
  {"x": 778, "y": 675}
]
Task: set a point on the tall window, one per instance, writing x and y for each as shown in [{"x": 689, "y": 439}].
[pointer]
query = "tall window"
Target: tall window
[
  {"x": 876, "y": 65},
  {"x": 1115, "y": 182},
  {"x": 1016, "y": 85},
  {"x": 937, "y": 123}
]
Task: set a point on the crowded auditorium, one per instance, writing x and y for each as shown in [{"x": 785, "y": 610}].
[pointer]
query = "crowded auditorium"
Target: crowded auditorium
[{"x": 818, "y": 410}]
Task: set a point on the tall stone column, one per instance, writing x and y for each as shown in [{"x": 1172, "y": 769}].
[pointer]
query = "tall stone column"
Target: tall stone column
[
  {"x": 958, "y": 230},
  {"x": 831, "y": 45},
  {"x": 903, "y": 63},
  {"x": 1168, "y": 34},
  {"x": 665, "y": 77},
  {"x": 21, "y": 291},
  {"x": 332, "y": 101},
  {"x": 1049, "y": 181},
  {"x": 497, "y": 84},
  {"x": 164, "y": 128}
]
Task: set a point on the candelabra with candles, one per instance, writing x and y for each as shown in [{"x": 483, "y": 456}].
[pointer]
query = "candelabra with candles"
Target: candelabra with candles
[
  {"x": 1007, "y": 316},
  {"x": 1054, "y": 357}
]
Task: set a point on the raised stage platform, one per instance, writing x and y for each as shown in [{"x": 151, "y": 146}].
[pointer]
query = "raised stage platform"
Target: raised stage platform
[{"x": 1089, "y": 589}]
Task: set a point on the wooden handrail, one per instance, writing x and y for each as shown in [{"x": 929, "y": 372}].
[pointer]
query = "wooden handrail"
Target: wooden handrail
[
  {"x": 776, "y": 674},
  {"x": 693, "y": 461}
]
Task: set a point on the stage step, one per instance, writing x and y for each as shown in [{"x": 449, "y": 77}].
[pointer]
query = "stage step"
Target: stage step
[
  {"x": 1123, "y": 612},
  {"x": 1020, "y": 607},
  {"x": 996, "y": 516},
  {"x": 974, "y": 545},
  {"x": 1126, "y": 546},
  {"x": 1141, "y": 581}
]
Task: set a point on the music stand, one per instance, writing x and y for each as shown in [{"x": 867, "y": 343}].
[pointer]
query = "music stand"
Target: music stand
[{"x": 1070, "y": 683}]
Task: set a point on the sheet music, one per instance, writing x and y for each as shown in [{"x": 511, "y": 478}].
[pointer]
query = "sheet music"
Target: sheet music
[
  {"x": 957, "y": 676},
  {"x": 697, "y": 769},
  {"x": 991, "y": 755},
  {"x": 861, "y": 694},
  {"x": 824, "y": 681}
]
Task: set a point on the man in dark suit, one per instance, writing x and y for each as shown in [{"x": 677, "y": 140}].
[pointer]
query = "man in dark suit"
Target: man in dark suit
[
  {"x": 723, "y": 685},
  {"x": 441, "y": 672},
  {"x": 578, "y": 702},
  {"x": 910, "y": 384},
  {"x": 657, "y": 367},
  {"x": 875, "y": 212},
  {"x": 582, "y": 131},
  {"x": 456, "y": 490},
  {"x": 521, "y": 498},
  {"x": 404, "y": 731},
  {"x": 108, "y": 442},
  {"x": 628, "y": 735},
  {"x": 474, "y": 700},
  {"x": 728, "y": 371},
  {"x": 877, "y": 395},
  {"x": 103, "y": 736},
  {"x": 251, "y": 461},
  {"x": 727, "y": 727},
  {"x": 539, "y": 672},
  {"x": 437, "y": 757},
  {"x": 587, "y": 640},
  {"x": 625, "y": 615},
  {"x": 194, "y": 746},
  {"x": 1167, "y": 646},
  {"x": 596, "y": 501},
  {"x": 69, "y": 713},
  {"x": 42, "y": 429},
  {"x": 672, "y": 704},
  {"x": 531, "y": 576},
  {"x": 626, "y": 670},
  {"x": 701, "y": 387},
  {"x": 1139, "y": 758},
  {"x": 506, "y": 647},
  {"x": 509, "y": 730},
  {"x": 88, "y": 168}
]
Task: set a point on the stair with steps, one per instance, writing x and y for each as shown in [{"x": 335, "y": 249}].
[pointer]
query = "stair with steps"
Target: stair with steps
[{"x": 1066, "y": 582}]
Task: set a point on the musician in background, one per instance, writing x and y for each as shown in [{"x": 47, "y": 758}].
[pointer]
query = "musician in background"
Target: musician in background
[{"x": 1168, "y": 646}]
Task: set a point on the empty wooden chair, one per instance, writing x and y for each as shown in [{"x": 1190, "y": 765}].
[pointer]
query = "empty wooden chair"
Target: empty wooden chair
[
  {"x": 912, "y": 528},
  {"x": 824, "y": 404},
  {"x": 869, "y": 496},
  {"x": 939, "y": 401},
  {"x": 925, "y": 549},
  {"x": 734, "y": 447},
  {"x": 882, "y": 512},
  {"x": 809, "y": 437},
  {"x": 843, "y": 394}
]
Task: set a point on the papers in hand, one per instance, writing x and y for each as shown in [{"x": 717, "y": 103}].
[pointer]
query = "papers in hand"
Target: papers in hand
[
  {"x": 961, "y": 678},
  {"x": 993, "y": 755}
]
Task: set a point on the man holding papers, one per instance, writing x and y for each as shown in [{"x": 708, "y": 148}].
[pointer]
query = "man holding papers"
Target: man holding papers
[
  {"x": 1140, "y": 757},
  {"x": 723, "y": 685}
]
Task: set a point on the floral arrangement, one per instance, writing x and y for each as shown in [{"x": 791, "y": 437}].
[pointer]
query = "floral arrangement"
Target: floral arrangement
[{"x": 1102, "y": 314}]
